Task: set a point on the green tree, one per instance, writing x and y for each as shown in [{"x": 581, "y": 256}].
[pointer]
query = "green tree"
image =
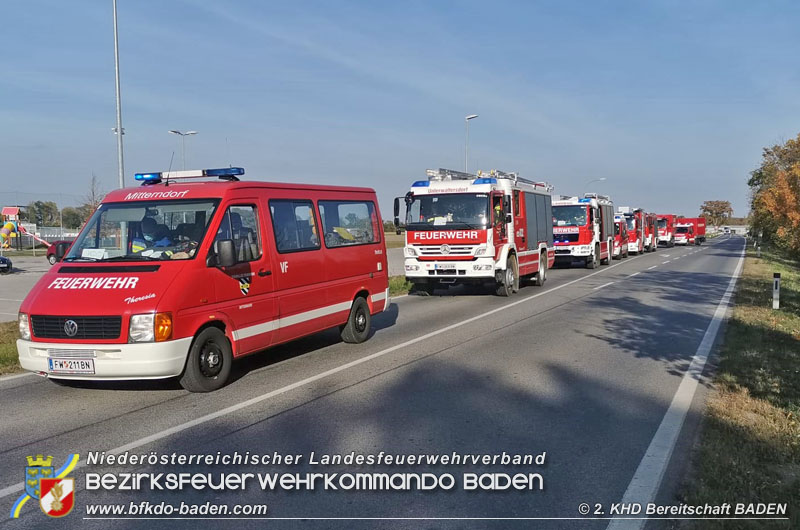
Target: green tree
[
  {"x": 43, "y": 213},
  {"x": 716, "y": 211},
  {"x": 73, "y": 217}
]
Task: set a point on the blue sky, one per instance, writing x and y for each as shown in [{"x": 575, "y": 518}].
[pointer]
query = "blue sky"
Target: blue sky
[{"x": 671, "y": 102}]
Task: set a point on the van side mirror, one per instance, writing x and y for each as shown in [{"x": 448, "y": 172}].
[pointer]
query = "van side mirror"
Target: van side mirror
[
  {"x": 61, "y": 250},
  {"x": 223, "y": 254}
]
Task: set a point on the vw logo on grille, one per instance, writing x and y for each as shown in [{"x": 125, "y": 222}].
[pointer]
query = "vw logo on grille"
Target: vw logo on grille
[
  {"x": 71, "y": 328},
  {"x": 445, "y": 249}
]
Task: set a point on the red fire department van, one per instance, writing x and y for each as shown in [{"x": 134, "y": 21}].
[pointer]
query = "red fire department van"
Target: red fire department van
[
  {"x": 584, "y": 229},
  {"x": 491, "y": 228},
  {"x": 179, "y": 277},
  {"x": 666, "y": 229},
  {"x": 635, "y": 223}
]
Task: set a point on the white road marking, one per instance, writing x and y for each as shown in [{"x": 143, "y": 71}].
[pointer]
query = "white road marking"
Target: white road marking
[
  {"x": 648, "y": 476},
  {"x": 20, "y": 486},
  {"x": 651, "y": 268},
  {"x": 634, "y": 274},
  {"x": 665, "y": 262},
  {"x": 10, "y": 300},
  {"x": 601, "y": 286},
  {"x": 666, "y": 255}
]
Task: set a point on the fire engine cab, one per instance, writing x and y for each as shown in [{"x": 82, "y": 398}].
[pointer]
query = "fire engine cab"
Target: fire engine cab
[
  {"x": 178, "y": 277},
  {"x": 583, "y": 229},
  {"x": 684, "y": 234},
  {"x": 490, "y": 228},
  {"x": 666, "y": 229}
]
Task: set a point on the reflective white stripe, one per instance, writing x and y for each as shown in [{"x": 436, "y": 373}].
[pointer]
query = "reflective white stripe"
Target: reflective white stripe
[
  {"x": 272, "y": 325},
  {"x": 380, "y": 296}
]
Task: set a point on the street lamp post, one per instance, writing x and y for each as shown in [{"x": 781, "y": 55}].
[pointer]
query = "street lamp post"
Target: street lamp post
[
  {"x": 601, "y": 179},
  {"x": 183, "y": 136},
  {"x": 466, "y": 140},
  {"x": 118, "y": 130}
]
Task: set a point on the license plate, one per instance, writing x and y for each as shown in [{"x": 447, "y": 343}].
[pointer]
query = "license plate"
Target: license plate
[
  {"x": 71, "y": 366},
  {"x": 445, "y": 266}
]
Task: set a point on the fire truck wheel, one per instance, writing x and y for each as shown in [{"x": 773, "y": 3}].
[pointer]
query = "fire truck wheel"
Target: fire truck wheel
[
  {"x": 591, "y": 261},
  {"x": 510, "y": 281},
  {"x": 541, "y": 276},
  {"x": 356, "y": 330},
  {"x": 209, "y": 363}
]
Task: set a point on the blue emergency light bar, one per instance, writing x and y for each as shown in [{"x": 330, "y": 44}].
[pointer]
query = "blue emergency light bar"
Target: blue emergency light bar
[
  {"x": 421, "y": 184},
  {"x": 584, "y": 200},
  {"x": 225, "y": 173},
  {"x": 485, "y": 180}
]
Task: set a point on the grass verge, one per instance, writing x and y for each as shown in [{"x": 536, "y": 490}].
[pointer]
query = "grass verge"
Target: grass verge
[
  {"x": 9, "y": 361},
  {"x": 749, "y": 449},
  {"x": 398, "y": 285}
]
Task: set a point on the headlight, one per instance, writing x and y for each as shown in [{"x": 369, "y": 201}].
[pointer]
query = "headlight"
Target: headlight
[
  {"x": 141, "y": 328},
  {"x": 481, "y": 251},
  {"x": 150, "y": 327},
  {"x": 410, "y": 252},
  {"x": 24, "y": 327}
]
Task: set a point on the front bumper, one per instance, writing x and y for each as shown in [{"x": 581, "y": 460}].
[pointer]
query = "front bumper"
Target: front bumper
[
  {"x": 151, "y": 360},
  {"x": 633, "y": 247},
  {"x": 573, "y": 251},
  {"x": 478, "y": 268}
]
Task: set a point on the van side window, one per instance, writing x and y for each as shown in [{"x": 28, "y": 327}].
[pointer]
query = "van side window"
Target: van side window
[
  {"x": 347, "y": 223},
  {"x": 294, "y": 225},
  {"x": 240, "y": 224}
]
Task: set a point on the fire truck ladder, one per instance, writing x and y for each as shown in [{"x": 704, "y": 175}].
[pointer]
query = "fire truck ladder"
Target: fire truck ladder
[{"x": 450, "y": 174}]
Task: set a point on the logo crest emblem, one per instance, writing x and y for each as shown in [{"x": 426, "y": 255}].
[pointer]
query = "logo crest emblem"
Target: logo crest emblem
[
  {"x": 70, "y": 328},
  {"x": 244, "y": 285},
  {"x": 38, "y": 468},
  {"x": 58, "y": 496},
  {"x": 445, "y": 249}
]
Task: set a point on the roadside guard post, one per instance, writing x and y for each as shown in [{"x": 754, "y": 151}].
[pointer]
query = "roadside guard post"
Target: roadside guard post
[{"x": 776, "y": 290}]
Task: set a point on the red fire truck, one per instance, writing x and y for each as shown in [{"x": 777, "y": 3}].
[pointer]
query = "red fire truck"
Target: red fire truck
[
  {"x": 487, "y": 228},
  {"x": 650, "y": 232},
  {"x": 635, "y": 223},
  {"x": 699, "y": 224},
  {"x": 684, "y": 233},
  {"x": 621, "y": 238},
  {"x": 666, "y": 229},
  {"x": 179, "y": 277},
  {"x": 583, "y": 229}
]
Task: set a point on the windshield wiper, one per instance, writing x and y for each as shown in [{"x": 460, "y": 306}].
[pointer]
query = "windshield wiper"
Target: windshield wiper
[{"x": 80, "y": 258}]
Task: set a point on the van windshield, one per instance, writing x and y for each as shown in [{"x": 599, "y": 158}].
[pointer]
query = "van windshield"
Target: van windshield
[
  {"x": 662, "y": 223},
  {"x": 630, "y": 222},
  {"x": 569, "y": 215},
  {"x": 146, "y": 230}
]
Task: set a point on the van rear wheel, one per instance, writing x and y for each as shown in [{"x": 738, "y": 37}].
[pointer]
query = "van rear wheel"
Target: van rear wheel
[
  {"x": 208, "y": 366},
  {"x": 357, "y": 328}
]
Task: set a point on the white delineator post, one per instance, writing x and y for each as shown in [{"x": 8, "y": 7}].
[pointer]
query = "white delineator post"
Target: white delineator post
[{"x": 776, "y": 290}]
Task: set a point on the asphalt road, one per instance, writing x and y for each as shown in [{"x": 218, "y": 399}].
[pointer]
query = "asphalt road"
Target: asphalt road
[
  {"x": 584, "y": 369},
  {"x": 26, "y": 271}
]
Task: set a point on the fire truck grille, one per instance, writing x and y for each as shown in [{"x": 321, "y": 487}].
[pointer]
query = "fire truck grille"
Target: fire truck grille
[
  {"x": 52, "y": 327},
  {"x": 455, "y": 250}
]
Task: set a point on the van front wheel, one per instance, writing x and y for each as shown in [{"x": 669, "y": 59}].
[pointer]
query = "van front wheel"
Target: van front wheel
[
  {"x": 357, "y": 328},
  {"x": 208, "y": 366}
]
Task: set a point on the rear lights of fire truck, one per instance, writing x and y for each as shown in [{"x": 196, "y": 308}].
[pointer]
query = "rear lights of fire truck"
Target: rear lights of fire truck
[
  {"x": 24, "y": 327},
  {"x": 150, "y": 327}
]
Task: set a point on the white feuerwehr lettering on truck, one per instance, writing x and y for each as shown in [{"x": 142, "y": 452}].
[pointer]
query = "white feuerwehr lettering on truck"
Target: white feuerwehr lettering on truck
[
  {"x": 449, "y": 234},
  {"x": 113, "y": 282}
]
